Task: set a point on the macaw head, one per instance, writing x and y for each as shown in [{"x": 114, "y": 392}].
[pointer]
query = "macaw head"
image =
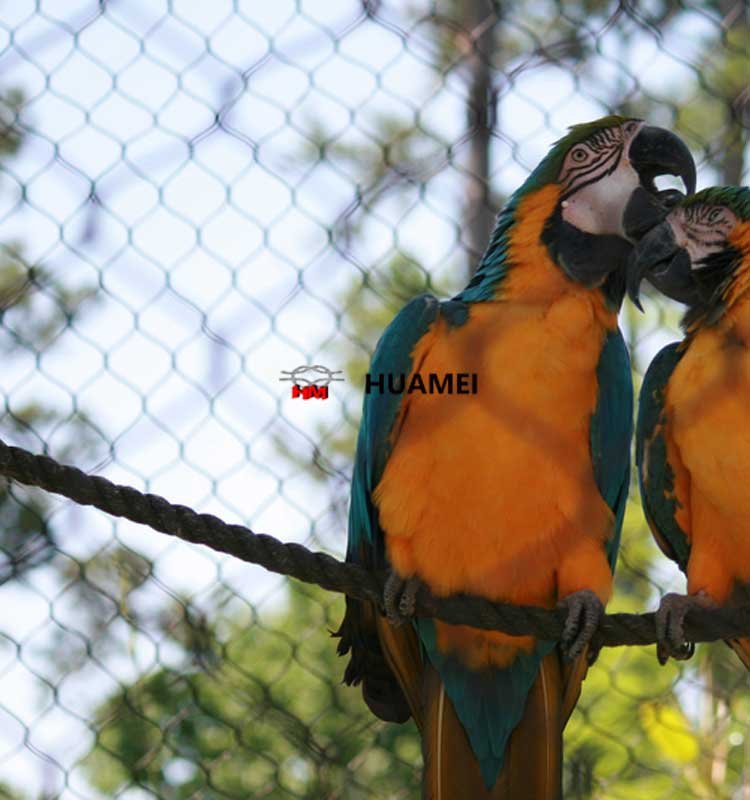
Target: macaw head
[
  {"x": 605, "y": 173},
  {"x": 699, "y": 254},
  {"x": 577, "y": 198}
]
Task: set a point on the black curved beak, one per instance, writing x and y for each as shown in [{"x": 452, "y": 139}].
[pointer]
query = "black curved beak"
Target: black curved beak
[
  {"x": 657, "y": 256},
  {"x": 665, "y": 264},
  {"x": 656, "y": 151},
  {"x": 646, "y": 209}
]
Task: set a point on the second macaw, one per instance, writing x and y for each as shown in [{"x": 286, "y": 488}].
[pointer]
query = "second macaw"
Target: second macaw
[
  {"x": 516, "y": 492},
  {"x": 693, "y": 432}
]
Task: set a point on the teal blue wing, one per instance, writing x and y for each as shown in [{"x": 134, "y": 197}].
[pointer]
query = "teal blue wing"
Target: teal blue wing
[
  {"x": 655, "y": 473},
  {"x": 366, "y": 544},
  {"x": 379, "y": 413},
  {"x": 611, "y": 431}
]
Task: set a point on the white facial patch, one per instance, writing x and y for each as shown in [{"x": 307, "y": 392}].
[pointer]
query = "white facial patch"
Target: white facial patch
[
  {"x": 597, "y": 207},
  {"x": 702, "y": 229},
  {"x": 600, "y": 179}
]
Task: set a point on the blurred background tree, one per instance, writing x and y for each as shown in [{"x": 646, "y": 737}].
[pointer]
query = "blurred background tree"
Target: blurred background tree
[
  {"x": 34, "y": 309},
  {"x": 239, "y": 704}
]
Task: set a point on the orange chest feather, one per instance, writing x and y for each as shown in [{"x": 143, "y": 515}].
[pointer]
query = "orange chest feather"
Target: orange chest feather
[
  {"x": 485, "y": 493},
  {"x": 708, "y": 406}
]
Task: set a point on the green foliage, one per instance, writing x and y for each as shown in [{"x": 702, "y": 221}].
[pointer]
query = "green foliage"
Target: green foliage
[
  {"x": 642, "y": 730},
  {"x": 558, "y": 31},
  {"x": 369, "y": 306},
  {"x": 10, "y": 135},
  {"x": 35, "y": 308},
  {"x": 7, "y": 792},
  {"x": 715, "y": 115},
  {"x": 264, "y": 720}
]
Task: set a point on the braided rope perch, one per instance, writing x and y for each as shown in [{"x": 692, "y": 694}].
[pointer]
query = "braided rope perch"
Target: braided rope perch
[{"x": 294, "y": 560}]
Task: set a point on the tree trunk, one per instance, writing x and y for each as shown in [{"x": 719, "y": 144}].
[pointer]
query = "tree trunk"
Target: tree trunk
[
  {"x": 480, "y": 19},
  {"x": 735, "y": 139}
]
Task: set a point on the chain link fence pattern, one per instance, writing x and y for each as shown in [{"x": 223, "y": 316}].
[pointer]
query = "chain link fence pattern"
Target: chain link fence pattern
[{"x": 196, "y": 198}]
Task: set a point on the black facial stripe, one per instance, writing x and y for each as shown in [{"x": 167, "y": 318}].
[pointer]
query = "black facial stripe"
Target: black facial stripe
[
  {"x": 577, "y": 173},
  {"x": 605, "y": 135},
  {"x": 707, "y": 237},
  {"x": 700, "y": 216},
  {"x": 575, "y": 168},
  {"x": 591, "y": 173},
  {"x": 603, "y": 139},
  {"x": 707, "y": 232}
]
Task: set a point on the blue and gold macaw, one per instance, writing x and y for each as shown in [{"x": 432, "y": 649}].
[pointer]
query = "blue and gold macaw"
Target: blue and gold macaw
[
  {"x": 693, "y": 431},
  {"x": 515, "y": 493}
]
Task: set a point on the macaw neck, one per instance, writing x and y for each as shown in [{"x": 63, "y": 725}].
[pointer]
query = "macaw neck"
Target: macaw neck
[
  {"x": 736, "y": 319},
  {"x": 733, "y": 324},
  {"x": 730, "y": 307},
  {"x": 517, "y": 266},
  {"x": 494, "y": 265},
  {"x": 515, "y": 246},
  {"x": 739, "y": 315},
  {"x": 739, "y": 288},
  {"x": 738, "y": 293}
]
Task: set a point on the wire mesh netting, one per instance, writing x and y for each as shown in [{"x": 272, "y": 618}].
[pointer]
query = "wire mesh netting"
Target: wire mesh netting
[{"x": 195, "y": 200}]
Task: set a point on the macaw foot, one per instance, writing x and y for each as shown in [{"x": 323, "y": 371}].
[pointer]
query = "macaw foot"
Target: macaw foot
[
  {"x": 585, "y": 612},
  {"x": 400, "y": 598},
  {"x": 670, "y": 625}
]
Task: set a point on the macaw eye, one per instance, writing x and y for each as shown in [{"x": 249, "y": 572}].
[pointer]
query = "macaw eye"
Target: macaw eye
[
  {"x": 630, "y": 127},
  {"x": 714, "y": 215},
  {"x": 578, "y": 155}
]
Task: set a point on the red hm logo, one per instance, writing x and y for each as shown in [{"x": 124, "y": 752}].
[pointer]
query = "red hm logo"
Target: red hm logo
[{"x": 308, "y": 392}]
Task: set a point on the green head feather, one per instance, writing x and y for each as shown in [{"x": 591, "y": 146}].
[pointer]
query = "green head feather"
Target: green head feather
[
  {"x": 735, "y": 198},
  {"x": 549, "y": 168}
]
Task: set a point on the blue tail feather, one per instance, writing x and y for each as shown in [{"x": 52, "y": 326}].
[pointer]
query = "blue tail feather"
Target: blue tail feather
[{"x": 489, "y": 703}]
